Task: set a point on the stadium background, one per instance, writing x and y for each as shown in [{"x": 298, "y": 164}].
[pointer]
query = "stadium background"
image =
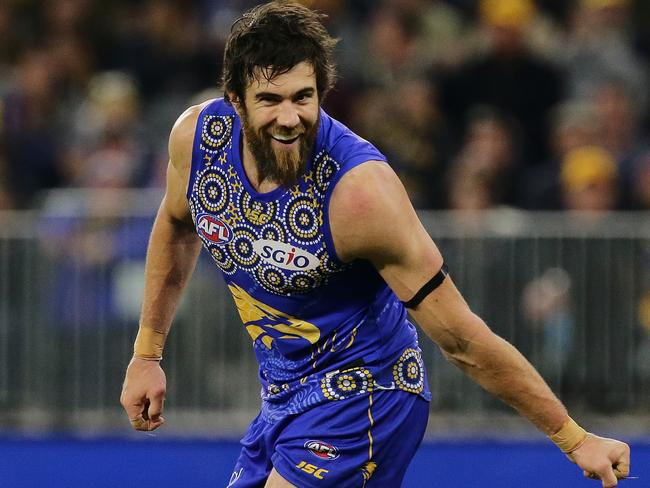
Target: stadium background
[{"x": 519, "y": 128}]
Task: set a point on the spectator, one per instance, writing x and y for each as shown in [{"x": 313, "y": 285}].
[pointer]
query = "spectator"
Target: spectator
[
  {"x": 600, "y": 47},
  {"x": 640, "y": 188},
  {"x": 390, "y": 48},
  {"x": 619, "y": 114},
  {"x": 546, "y": 304},
  {"x": 488, "y": 163},
  {"x": 469, "y": 187},
  {"x": 590, "y": 181},
  {"x": 29, "y": 139},
  {"x": 413, "y": 137},
  {"x": 574, "y": 123},
  {"x": 419, "y": 66},
  {"x": 109, "y": 146},
  {"x": 509, "y": 77}
]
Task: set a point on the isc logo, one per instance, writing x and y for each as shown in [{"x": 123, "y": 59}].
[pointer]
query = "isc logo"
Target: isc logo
[
  {"x": 315, "y": 471},
  {"x": 213, "y": 229},
  {"x": 285, "y": 255}
]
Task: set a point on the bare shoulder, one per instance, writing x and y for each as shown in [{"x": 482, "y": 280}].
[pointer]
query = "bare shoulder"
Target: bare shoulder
[
  {"x": 181, "y": 140},
  {"x": 366, "y": 200},
  {"x": 181, "y": 137},
  {"x": 361, "y": 190},
  {"x": 372, "y": 218}
]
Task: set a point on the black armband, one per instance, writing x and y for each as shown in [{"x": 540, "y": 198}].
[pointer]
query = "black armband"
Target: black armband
[{"x": 428, "y": 287}]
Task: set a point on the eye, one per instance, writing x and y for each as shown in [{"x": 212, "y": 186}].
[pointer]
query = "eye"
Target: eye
[
  {"x": 303, "y": 97},
  {"x": 267, "y": 99}
]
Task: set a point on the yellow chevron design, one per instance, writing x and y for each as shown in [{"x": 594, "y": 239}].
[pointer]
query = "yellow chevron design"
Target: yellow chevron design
[{"x": 266, "y": 323}]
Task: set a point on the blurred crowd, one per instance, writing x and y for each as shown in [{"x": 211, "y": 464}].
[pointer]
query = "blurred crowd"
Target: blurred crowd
[{"x": 477, "y": 103}]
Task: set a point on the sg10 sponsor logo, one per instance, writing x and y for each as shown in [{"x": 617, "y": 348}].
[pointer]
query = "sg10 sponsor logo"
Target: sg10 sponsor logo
[{"x": 285, "y": 255}]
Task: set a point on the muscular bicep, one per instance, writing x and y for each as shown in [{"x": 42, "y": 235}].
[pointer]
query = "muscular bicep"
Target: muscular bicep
[
  {"x": 372, "y": 218},
  {"x": 175, "y": 205}
]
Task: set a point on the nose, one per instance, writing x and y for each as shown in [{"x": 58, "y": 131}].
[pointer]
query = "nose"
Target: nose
[{"x": 287, "y": 115}]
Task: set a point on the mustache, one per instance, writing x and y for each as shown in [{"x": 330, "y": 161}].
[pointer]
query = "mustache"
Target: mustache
[{"x": 280, "y": 131}]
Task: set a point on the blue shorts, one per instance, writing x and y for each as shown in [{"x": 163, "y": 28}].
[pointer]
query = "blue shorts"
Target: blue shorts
[{"x": 366, "y": 441}]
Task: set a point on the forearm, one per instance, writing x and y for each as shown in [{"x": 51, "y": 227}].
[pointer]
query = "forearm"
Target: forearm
[
  {"x": 503, "y": 371},
  {"x": 171, "y": 258}
]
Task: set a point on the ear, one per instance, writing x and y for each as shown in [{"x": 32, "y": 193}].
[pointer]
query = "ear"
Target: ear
[{"x": 236, "y": 102}]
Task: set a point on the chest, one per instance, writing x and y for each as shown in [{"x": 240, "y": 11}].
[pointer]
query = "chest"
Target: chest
[{"x": 279, "y": 240}]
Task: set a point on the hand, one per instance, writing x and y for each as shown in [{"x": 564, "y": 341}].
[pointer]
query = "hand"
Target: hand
[
  {"x": 143, "y": 394},
  {"x": 604, "y": 459}
]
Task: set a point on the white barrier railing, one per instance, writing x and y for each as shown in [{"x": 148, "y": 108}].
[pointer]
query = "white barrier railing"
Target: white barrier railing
[{"x": 572, "y": 292}]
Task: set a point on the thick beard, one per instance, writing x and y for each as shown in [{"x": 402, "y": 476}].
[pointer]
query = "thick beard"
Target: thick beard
[{"x": 284, "y": 168}]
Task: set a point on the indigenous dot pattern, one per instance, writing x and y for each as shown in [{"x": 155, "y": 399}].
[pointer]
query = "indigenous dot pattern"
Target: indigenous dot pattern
[
  {"x": 326, "y": 169},
  {"x": 295, "y": 218},
  {"x": 271, "y": 277},
  {"x": 346, "y": 384},
  {"x": 241, "y": 248},
  {"x": 213, "y": 191},
  {"x": 216, "y": 132},
  {"x": 408, "y": 372},
  {"x": 302, "y": 282},
  {"x": 302, "y": 217},
  {"x": 222, "y": 259},
  {"x": 273, "y": 231},
  {"x": 326, "y": 262}
]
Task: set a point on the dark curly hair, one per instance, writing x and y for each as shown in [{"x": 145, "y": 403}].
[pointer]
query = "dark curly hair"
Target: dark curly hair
[{"x": 269, "y": 40}]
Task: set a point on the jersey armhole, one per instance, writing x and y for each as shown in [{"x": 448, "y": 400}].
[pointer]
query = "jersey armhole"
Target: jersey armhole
[
  {"x": 359, "y": 160},
  {"x": 197, "y": 152}
]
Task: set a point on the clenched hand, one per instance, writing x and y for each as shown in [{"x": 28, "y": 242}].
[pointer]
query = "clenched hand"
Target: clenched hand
[
  {"x": 601, "y": 458},
  {"x": 143, "y": 394}
]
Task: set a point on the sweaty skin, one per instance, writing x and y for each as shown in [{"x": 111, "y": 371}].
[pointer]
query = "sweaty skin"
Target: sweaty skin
[{"x": 363, "y": 201}]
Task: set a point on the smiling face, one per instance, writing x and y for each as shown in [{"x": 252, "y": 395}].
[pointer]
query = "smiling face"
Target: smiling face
[{"x": 280, "y": 123}]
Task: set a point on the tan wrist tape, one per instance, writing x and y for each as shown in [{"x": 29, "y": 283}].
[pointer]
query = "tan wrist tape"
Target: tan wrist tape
[
  {"x": 570, "y": 436},
  {"x": 149, "y": 344}
]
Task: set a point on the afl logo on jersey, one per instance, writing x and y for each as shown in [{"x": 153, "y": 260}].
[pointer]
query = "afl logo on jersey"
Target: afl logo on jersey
[
  {"x": 285, "y": 255},
  {"x": 322, "y": 450},
  {"x": 213, "y": 229}
]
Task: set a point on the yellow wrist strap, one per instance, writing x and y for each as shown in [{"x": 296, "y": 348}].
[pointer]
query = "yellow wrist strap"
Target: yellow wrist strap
[
  {"x": 570, "y": 436},
  {"x": 149, "y": 344}
]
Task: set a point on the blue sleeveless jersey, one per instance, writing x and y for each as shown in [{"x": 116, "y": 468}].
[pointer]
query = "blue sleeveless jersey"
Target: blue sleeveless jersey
[{"x": 322, "y": 330}]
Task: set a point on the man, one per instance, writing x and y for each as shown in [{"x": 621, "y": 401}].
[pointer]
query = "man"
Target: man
[{"x": 317, "y": 239}]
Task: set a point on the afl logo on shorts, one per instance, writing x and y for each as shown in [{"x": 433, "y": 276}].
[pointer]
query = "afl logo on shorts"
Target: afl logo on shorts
[
  {"x": 213, "y": 229},
  {"x": 322, "y": 450},
  {"x": 285, "y": 255}
]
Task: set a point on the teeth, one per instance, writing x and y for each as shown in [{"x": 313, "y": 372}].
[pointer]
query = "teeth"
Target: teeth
[{"x": 285, "y": 138}]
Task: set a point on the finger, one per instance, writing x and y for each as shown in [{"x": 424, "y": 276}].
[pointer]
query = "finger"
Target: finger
[
  {"x": 622, "y": 464},
  {"x": 143, "y": 424},
  {"x": 622, "y": 469},
  {"x": 154, "y": 424},
  {"x": 139, "y": 422},
  {"x": 608, "y": 478},
  {"x": 133, "y": 409},
  {"x": 155, "y": 408},
  {"x": 145, "y": 410}
]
